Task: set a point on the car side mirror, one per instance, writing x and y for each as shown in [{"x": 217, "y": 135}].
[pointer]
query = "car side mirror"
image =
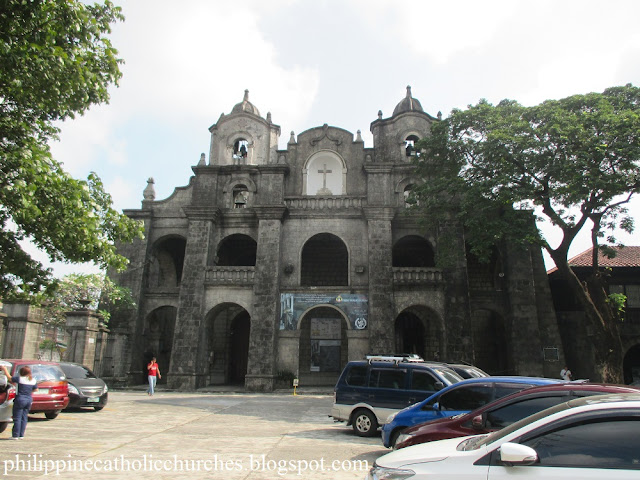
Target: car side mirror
[
  {"x": 477, "y": 422},
  {"x": 438, "y": 386},
  {"x": 512, "y": 454},
  {"x": 436, "y": 406}
]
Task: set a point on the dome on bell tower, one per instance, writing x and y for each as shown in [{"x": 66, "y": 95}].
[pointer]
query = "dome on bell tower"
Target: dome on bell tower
[
  {"x": 245, "y": 106},
  {"x": 408, "y": 104}
]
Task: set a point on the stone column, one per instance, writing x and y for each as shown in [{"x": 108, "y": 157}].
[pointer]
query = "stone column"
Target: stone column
[
  {"x": 264, "y": 320},
  {"x": 458, "y": 341},
  {"x": 102, "y": 340},
  {"x": 183, "y": 370},
  {"x": 358, "y": 344},
  {"x": 23, "y": 327},
  {"x": 381, "y": 312},
  {"x": 124, "y": 368},
  {"x": 83, "y": 327},
  {"x": 522, "y": 326},
  {"x": 288, "y": 350}
]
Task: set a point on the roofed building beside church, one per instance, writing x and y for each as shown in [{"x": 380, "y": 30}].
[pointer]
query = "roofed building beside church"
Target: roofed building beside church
[{"x": 277, "y": 262}]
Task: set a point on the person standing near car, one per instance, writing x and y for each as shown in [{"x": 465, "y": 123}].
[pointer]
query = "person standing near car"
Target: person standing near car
[
  {"x": 566, "y": 374},
  {"x": 26, "y": 384},
  {"x": 154, "y": 374}
]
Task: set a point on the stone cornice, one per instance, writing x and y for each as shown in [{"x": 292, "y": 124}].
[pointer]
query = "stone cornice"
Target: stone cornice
[
  {"x": 379, "y": 213},
  {"x": 378, "y": 167},
  {"x": 201, "y": 212},
  {"x": 138, "y": 214},
  {"x": 270, "y": 212}
]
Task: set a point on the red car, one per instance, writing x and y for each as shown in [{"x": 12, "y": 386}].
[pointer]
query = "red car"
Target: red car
[
  {"x": 52, "y": 395},
  {"x": 7, "y": 394},
  {"x": 504, "y": 411}
]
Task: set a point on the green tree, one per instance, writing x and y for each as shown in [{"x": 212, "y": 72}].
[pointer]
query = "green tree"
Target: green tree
[
  {"x": 568, "y": 161},
  {"x": 55, "y": 62},
  {"x": 94, "y": 291},
  {"x": 76, "y": 291}
]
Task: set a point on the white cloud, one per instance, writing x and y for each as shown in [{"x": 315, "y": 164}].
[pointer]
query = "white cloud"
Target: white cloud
[{"x": 334, "y": 61}]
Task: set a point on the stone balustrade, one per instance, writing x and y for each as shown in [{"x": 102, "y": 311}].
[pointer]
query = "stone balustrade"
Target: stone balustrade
[
  {"x": 230, "y": 275},
  {"x": 417, "y": 276},
  {"x": 322, "y": 203}
]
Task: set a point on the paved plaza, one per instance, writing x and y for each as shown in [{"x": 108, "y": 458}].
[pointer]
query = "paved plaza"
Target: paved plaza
[{"x": 195, "y": 435}]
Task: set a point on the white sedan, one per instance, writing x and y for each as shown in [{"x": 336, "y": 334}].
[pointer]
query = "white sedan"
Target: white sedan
[{"x": 587, "y": 438}]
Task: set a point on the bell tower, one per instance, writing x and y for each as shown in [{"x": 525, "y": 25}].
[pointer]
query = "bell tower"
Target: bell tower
[{"x": 243, "y": 137}]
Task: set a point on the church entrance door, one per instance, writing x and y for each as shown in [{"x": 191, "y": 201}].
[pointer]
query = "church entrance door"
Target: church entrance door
[
  {"x": 239, "y": 351},
  {"x": 324, "y": 346},
  {"x": 409, "y": 334},
  {"x": 490, "y": 343},
  {"x": 159, "y": 339},
  {"x": 228, "y": 328},
  {"x": 631, "y": 365},
  {"x": 419, "y": 330}
]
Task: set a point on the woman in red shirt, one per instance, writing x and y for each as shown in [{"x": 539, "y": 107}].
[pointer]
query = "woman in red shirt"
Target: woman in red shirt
[{"x": 154, "y": 374}]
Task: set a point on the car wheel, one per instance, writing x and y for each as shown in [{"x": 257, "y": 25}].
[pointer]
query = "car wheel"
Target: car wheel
[
  {"x": 394, "y": 436},
  {"x": 364, "y": 423},
  {"x": 3, "y": 426},
  {"x": 52, "y": 415},
  {"x": 97, "y": 409}
]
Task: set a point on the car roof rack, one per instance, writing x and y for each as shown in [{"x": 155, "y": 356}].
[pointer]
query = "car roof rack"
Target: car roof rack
[{"x": 395, "y": 358}]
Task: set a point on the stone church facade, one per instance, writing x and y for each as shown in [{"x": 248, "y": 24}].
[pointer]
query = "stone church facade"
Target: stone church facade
[{"x": 273, "y": 263}]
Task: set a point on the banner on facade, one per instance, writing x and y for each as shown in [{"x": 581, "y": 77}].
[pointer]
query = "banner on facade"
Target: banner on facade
[{"x": 355, "y": 307}]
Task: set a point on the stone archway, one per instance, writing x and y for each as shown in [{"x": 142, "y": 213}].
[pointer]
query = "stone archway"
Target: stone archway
[
  {"x": 631, "y": 365},
  {"x": 490, "y": 343},
  {"x": 227, "y": 333},
  {"x": 325, "y": 261},
  {"x": 324, "y": 346},
  {"x": 418, "y": 330},
  {"x": 160, "y": 325}
]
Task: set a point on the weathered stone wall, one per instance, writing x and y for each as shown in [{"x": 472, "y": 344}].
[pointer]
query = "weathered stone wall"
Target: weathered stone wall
[
  {"x": 262, "y": 341},
  {"x": 23, "y": 327},
  {"x": 381, "y": 318},
  {"x": 189, "y": 326}
]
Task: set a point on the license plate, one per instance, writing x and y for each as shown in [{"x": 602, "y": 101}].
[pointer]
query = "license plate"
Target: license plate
[
  {"x": 44, "y": 391},
  {"x": 93, "y": 399}
]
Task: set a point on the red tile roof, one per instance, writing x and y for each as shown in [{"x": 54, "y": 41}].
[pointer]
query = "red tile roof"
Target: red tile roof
[{"x": 625, "y": 257}]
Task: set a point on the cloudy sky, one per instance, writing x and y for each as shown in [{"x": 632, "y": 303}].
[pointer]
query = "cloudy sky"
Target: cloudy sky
[{"x": 330, "y": 61}]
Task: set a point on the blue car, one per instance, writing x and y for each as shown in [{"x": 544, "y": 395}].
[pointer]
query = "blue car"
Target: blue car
[{"x": 456, "y": 399}]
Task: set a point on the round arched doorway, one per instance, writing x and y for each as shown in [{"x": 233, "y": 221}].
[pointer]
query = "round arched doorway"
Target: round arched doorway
[
  {"x": 323, "y": 349},
  {"x": 418, "y": 330},
  {"x": 631, "y": 366},
  {"x": 160, "y": 325},
  {"x": 490, "y": 342},
  {"x": 228, "y": 329}
]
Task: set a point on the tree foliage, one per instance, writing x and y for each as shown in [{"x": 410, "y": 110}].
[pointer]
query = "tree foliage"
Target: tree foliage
[
  {"x": 568, "y": 161},
  {"x": 55, "y": 62},
  {"x": 93, "y": 291}
]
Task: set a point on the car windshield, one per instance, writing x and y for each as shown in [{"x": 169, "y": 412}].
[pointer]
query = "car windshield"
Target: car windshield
[
  {"x": 449, "y": 375},
  {"x": 77, "y": 371},
  {"x": 47, "y": 372},
  {"x": 476, "y": 442}
]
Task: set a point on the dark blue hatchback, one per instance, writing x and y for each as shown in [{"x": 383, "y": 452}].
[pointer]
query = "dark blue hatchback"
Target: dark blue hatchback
[{"x": 456, "y": 399}]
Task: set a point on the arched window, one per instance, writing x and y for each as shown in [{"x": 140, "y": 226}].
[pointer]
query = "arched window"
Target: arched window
[
  {"x": 325, "y": 261},
  {"x": 325, "y": 175},
  {"x": 407, "y": 193},
  {"x": 237, "y": 250},
  {"x": 166, "y": 262},
  {"x": 413, "y": 251},
  {"x": 240, "y": 150},
  {"x": 240, "y": 196},
  {"x": 410, "y": 146}
]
